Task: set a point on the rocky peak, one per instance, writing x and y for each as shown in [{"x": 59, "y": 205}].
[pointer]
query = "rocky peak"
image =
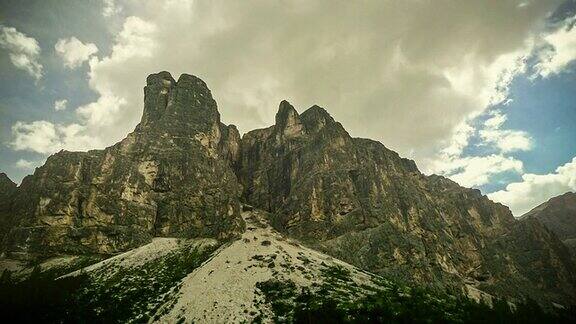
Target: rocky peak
[
  {"x": 315, "y": 118},
  {"x": 568, "y": 199},
  {"x": 156, "y": 97},
  {"x": 6, "y": 183},
  {"x": 183, "y": 107},
  {"x": 288, "y": 123}
]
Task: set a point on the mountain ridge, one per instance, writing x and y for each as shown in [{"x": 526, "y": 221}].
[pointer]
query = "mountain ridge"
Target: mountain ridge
[{"x": 183, "y": 173}]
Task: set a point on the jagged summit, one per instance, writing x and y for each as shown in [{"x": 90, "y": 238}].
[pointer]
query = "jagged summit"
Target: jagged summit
[
  {"x": 183, "y": 108},
  {"x": 288, "y": 123},
  {"x": 185, "y": 80},
  {"x": 316, "y": 118},
  {"x": 163, "y": 77},
  {"x": 285, "y": 111}
]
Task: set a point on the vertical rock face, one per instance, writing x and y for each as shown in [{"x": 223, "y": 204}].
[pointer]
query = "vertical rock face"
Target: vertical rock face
[
  {"x": 558, "y": 215},
  {"x": 7, "y": 190},
  {"x": 361, "y": 202},
  {"x": 170, "y": 177}
]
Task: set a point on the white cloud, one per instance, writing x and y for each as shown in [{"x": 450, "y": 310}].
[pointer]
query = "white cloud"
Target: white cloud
[
  {"x": 101, "y": 112},
  {"x": 24, "y": 51},
  {"x": 46, "y": 138},
  {"x": 560, "y": 52},
  {"x": 473, "y": 171},
  {"x": 60, "y": 104},
  {"x": 505, "y": 140},
  {"x": 25, "y": 164},
  {"x": 39, "y": 136},
  {"x": 102, "y": 122},
  {"x": 378, "y": 84},
  {"x": 110, "y": 8},
  {"x": 537, "y": 188},
  {"x": 496, "y": 120},
  {"x": 458, "y": 141},
  {"x": 73, "y": 52}
]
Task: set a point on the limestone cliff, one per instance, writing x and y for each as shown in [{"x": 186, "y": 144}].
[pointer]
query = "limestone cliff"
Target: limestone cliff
[
  {"x": 361, "y": 202},
  {"x": 170, "y": 177}
]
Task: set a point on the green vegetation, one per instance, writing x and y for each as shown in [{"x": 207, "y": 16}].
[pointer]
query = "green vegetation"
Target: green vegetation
[
  {"x": 108, "y": 294},
  {"x": 340, "y": 300},
  {"x": 40, "y": 298},
  {"x": 114, "y": 294}
]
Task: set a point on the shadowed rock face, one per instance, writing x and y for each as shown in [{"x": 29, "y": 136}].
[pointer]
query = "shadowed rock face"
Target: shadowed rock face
[
  {"x": 170, "y": 177},
  {"x": 359, "y": 201},
  {"x": 558, "y": 215},
  {"x": 7, "y": 190}
]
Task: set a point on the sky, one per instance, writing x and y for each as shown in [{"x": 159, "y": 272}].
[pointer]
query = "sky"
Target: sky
[{"x": 481, "y": 92}]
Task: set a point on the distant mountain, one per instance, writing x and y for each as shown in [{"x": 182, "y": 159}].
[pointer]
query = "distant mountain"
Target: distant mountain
[
  {"x": 182, "y": 176},
  {"x": 558, "y": 215}
]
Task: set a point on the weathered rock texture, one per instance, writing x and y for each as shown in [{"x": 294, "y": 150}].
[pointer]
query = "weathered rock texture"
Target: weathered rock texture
[
  {"x": 7, "y": 190},
  {"x": 170, "y": 177},
  {"x": 558, "y": 215},
  {"x": 361, "y": 202}
]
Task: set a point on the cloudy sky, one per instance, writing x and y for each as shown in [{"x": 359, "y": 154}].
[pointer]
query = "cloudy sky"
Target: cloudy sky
[{"x": 479, "y": 91}]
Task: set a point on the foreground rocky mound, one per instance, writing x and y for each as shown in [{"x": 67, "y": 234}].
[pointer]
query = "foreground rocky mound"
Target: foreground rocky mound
[
  {"x": 262, "y": 276},
  {"x": 359, "y": 201},
  {"x": 170, "y": 177},
  {"x": 558, "y": 215}
]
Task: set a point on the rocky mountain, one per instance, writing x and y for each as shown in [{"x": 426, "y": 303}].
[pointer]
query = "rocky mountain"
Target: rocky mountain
[
  {"x": 558, "y": 215},
  {"x": 182, "y": 174},
  {"x": 359, "y": 201},
  {"x": 170, "y": 177}
]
